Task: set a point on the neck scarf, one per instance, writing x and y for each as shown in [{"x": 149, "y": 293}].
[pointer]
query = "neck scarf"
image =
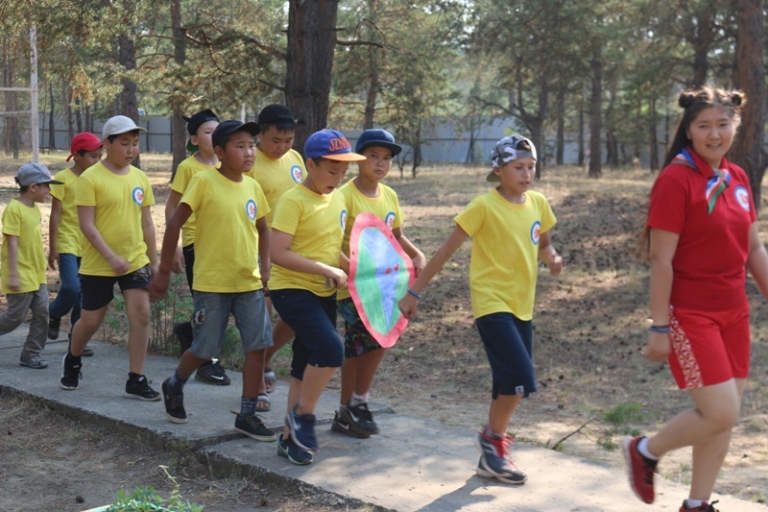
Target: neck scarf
[{"x": 717, "y": 182}]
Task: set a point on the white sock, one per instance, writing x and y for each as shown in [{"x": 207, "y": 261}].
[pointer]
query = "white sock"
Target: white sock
[
  {"x": 642, "y": 447},
  {"x": 689, "y": 503},
  {"x": 342, "y": 407},
  {"x": 358, "y": 399}
]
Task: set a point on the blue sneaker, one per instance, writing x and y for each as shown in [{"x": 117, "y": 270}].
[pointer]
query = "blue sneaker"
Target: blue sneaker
[
  {"x": 302, "y": 429},
  {"x": 496, "y": 461},
  {"x": 288, "y": 449}
]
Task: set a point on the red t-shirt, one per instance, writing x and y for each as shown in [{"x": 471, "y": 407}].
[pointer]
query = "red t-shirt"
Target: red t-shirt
[{"x": 709, "y": 262}]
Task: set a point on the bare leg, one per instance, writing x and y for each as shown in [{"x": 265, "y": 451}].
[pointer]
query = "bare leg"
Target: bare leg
[
  {"x": 253, "y": 373},
  {"x": 314, "y": 383},
  {"x": 85, "y": 328},
  {"x": 501, "y": 411},
  {"x": 137, "y": 309}
]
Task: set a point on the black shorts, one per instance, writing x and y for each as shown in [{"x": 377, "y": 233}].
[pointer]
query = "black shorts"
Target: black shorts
[
  {"x": 189, "y": 263},
  {"x": 508, "y": 343},
  {"x": 98, "y": 291}
]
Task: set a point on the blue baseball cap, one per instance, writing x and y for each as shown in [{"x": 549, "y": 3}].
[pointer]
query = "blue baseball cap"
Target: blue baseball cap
[
  {"x": 379, "y": 138},
  {"x": 332, "y": 145}
]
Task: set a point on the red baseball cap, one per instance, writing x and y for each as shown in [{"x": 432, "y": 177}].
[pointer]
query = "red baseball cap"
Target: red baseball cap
[{"x": 84, "y": 141}]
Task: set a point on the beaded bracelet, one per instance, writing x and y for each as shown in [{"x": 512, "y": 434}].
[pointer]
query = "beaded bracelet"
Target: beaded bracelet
[
  {"x": 418, "y": 296},
  {"x": 659, "y": 328}
]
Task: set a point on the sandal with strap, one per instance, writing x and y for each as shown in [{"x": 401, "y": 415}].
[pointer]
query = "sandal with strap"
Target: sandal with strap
[{"x": 262, "y": 403}]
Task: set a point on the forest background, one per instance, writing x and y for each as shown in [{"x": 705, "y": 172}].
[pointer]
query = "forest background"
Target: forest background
[{"x": 607, "y": 73}]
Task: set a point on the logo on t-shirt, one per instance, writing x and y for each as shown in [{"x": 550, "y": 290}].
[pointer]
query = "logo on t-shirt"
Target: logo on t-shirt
[
  {"x": 250, "y": 209},
  {"x": 742, "y": 196},
  {"x": 389, "y": 220},
  {"x": 343, "y": 220},
  {"x": 296, "y": 173},
  {"x": 535, "y": 232},
  {"x": 138, "y": 195}
]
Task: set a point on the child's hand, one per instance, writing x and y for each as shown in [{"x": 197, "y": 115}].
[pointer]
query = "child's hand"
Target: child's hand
[
  {"x": 158, "y": 285},
  {"x": 53, "y": 258},
  {"x": 408, "y": 305},
  {"x": 14, "y": 282},
  {"x": 264, "y": 277},
  {"x": 658, "y": 347},
  {"x": 419, "y": 262},
  {"x": 555, "y": 265},
  {"x": 119, "y": 265},
  {"x": 178, "y": 261},
  {"x": 338, "y": 276}
]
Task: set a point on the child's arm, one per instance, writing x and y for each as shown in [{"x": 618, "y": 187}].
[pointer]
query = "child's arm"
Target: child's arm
[
  {"x": 148, "y": 228},
  {"x": 159, "y": 283},
  {"x": 173, "y": 202},
  {"x": 281, "y": 253},
  {"x": 757, "y": 260},
  {"x": 548, "y": 254},
  {"x": 86, "y": 214},
  {"x": 419, "y": 260},
  {"x": 264, "y": 235},
  {"x": 409, "y": 304},
  {"x": 53, "y": 231},
  {"x": 663, "y": 248},
  {"x": 14, "y": 281}
]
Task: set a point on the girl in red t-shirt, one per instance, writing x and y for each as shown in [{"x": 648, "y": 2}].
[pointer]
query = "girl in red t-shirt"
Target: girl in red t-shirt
[{"x": 702, "y": 234}]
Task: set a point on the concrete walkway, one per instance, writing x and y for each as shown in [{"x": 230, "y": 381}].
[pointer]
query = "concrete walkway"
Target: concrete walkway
[{"x": 417, "y": 464}]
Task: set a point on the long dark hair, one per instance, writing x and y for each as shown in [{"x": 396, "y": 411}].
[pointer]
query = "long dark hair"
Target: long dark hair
[{"x": 693, "y": 101}]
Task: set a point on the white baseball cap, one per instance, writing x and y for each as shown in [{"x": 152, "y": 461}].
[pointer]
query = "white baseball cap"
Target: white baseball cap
[{"x": 118, "y": 125}]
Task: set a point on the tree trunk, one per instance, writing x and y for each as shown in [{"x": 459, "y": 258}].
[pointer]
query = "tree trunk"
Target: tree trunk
[
  {"x": 560, "y": 152},
  {"x": 51, "y": 120},
  {"x": 580, "y": 160},
  {"x": 68, "y": 112},
  {"x": 178, "y": 125},
  {"x": 129, "y": 103},
  {"x": 595, "y": 118},
  {"x": 416, "y": 150},
  {"x": 653, "y": 140},
  {"x": 373, "y": 90},
  {"x": 309, "y": 63},
  {"x": 747, "y": 150}
]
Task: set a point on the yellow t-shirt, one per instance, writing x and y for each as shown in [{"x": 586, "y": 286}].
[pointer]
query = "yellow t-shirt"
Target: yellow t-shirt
[
  {"x": 184, "y": 173},
  {"x": 118, "y": 201},
  {"x": 226, "y": 239},
  {"x": 503, "y": 268},
  {"x": 68, "y": 236},
  {"x": 317, "y": 225},
  {"x": 386, "y": 207},
  {"x": 24, "y": 222},
  {"x": 276, "y": 177}
]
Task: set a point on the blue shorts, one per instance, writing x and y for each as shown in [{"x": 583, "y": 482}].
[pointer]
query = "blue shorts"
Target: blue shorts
[
  {"x": 508, "y": 342},
  {"x": 211, "y": 316},
  {"x": 313, "y": 319}
]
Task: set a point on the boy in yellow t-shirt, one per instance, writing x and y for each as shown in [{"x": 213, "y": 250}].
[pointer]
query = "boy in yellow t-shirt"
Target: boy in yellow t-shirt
[
  {"x": 23, "y": 262},
  {"x": 278, "y": 168},
  {"x": 510, "y": 229},
  {"x": 113, "y": 201},
  {"x": 200, "y": 127},
  {"x": 362, "y": 352},
  {"x": 231, "y": 233},
  {"x": 64, "y": 233},
  {"x": 307, "y": 232}
]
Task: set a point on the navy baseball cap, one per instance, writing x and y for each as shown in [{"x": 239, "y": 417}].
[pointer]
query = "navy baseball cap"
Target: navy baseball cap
[
  {"x": 379, "y": 138},
  {"x": 229, "y": 127},
  {"x": 195, "y": 122},
  {"x": 332, "y": 145}
]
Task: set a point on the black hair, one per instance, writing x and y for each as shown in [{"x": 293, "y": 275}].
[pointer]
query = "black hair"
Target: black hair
[
  {"x": 693, "y": 101},
  {"x": 281, "y": 127},
  {"x": 23, "y": 188},
  {"x": 319, "y": 159},
  {"x": 112, "y": 138},
  {"x": 82, "y": 152}
]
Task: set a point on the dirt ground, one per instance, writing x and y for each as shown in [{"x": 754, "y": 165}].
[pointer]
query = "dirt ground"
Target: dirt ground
[{"x": 590, "y": 324}]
